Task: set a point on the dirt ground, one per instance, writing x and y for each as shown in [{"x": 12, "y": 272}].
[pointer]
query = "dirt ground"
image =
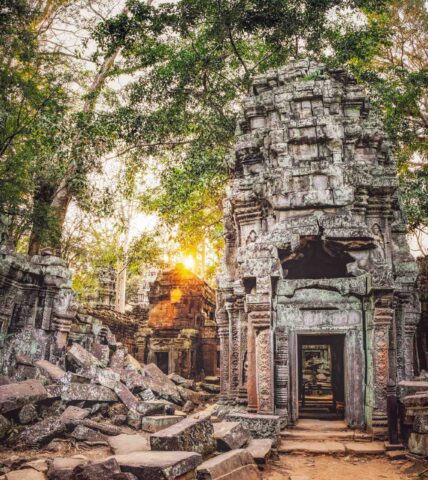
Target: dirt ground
[{"x": 322, "y": 467}]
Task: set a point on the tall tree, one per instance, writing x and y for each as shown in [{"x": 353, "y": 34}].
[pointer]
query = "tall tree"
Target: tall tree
[{"x": 192, "y": 64}]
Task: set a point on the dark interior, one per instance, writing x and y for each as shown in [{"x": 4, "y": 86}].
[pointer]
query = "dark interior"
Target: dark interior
[{"x": 321, "y": 377}]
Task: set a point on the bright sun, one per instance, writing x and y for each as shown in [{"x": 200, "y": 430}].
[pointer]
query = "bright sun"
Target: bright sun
[{"x": 189, "y": 262}]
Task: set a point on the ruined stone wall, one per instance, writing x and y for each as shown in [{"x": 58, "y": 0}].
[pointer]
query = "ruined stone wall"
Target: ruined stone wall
[
  {"x": 123, "y": 326},
  {"x": 315, "y": 243}
]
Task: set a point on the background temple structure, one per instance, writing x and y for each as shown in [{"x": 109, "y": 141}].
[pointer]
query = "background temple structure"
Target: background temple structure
[
  {"x": 180, "y": 333},
  {"x": 317, "y": 272}
]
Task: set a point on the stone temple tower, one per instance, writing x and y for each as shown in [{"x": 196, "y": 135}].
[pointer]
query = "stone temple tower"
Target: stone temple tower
[{"x": 317, "y": 308}]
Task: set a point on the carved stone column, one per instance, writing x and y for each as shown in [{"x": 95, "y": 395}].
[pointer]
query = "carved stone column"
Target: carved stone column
[
  {"x": 261, "y": 321},
  {"x": 411, "y": 320},
  {"x": 281, "y": 373},
  {"x": 223, "y": 333},
  {"x": 234, "y": 348},
  {"x": 383, "y": 317},
  {"x": 251, "y": 380}
]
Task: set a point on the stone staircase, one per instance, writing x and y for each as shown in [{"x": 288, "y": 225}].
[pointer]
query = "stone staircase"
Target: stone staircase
[{"x": 327, "y": 437}]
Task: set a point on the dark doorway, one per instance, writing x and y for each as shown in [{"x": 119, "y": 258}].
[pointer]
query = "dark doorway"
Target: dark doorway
[
  {"x": 321, "y": 377},
  {"x": 162, "y": 361}
]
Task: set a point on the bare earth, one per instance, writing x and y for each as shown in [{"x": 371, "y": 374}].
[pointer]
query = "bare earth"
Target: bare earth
[{"x": 322, "y": 467}]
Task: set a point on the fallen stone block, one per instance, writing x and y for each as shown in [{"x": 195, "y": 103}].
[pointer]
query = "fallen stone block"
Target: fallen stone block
[
  {"x": 156, "y": 423},
  {"x": 183, "y": 382},
  {"x": 61, "y": 468},
  {"x": 81, "y": 357},
  {"x": 134, "y": 419},
  {"x": 102, "y": 427},
  {"x": 191, "y": 435},
  {"x": 230, "y": 435},
  {"x": 211, "y": 387},
  {"x": 101, "y": 353},
  {"x": 159, "y": 465},
  {"x": 87, "y": 392},
  {"x": 39, "y": 434},
  {"x": 418, "y": 443},
  {"x": 41, "y": 465},
  {"x": 27, "y": 414},
  {"x": 188, "y": 407},
  {"x": 117, "y": 360},
  {"x": 15, "y": 395},
  {"x": 73, "y": 414},
  {"x": 259, "y": 426},
  {"x": 189, "y": 395},
  {"x": 152, "y": 408},
  {"x": 125, "y": 443},
  {"x": 103, "y": 376},
  {"x": 85, "y": 434},
  {"x": 25, "y": 474},
  {"x": 4, "y": 426},
  {"x": 107, "y": 469},
  {"x": 50, "y": 370},
  {"x": 233, "y": 465},
  {"x": 126, "y": 396},
  {"x": 159, "y": 383},
  {"x": 260, "y": 449}
]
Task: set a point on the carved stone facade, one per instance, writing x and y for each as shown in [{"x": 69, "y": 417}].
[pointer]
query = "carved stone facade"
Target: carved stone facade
[
  {"x": 315, "y": 248},
  {"x": 178, "y": 331}
]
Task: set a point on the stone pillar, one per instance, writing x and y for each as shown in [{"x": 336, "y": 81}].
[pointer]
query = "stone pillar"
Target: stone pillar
[
  {"x": 261, "y": 323},
  {"x": 264, "y": 363},
  {"x": 251, "y": 373},
  {"x": 234, "y": 349},
  {"x": 281, "y": 373},
  {"x": 223, "y": 333},
  {"x": 243, "y": 361},
  {"x": 382, "y": 321},
  {"x": 411, "y": 319}
]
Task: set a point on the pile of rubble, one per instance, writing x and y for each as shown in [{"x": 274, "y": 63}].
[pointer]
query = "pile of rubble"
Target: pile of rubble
[{"x": 104, "y": 397}]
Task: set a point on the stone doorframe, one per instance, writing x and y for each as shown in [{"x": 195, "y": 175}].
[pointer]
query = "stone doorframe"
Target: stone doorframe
[{"x": 354, "y": 373}]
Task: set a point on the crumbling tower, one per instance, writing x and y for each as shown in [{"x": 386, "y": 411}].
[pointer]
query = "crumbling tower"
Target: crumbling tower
[{"x": 315, "y": 249}]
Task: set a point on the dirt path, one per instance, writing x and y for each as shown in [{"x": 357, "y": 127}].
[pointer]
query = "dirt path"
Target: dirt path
[{"x": 322, "y": 467}]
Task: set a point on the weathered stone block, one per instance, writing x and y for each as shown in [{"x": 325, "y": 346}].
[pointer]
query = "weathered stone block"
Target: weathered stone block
[
  {"x": 418, "y": 443},
  {"x": 125, "y": 443},
  {"x": 73, "y": 414},
  {"x": 259, "y": 426},
  {"x": 230, "y": 435},
  {"x": 88, "y": 392},
  {"x": 191, "y": 435},
  {"x": 81, "y": 357},
  {"x": 39, "y": 434},
  {"x": 260, "y": 449},
  {"x": 52, "y": 371},
  {"x": 156, "y": 423},
  {"x": 234, "y": 465},
  {"x": 27, "y": 414},
  {"x": 16, "y": 395},
  {"x": 126, "y": 396},
  {"x": 25, "y": 474},
  {"x": 159, "y": 465}
]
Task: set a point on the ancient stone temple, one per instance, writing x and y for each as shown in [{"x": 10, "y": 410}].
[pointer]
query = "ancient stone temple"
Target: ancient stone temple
[
  {"x": 317, "y": 303},
  {"x": 179, "y": 333}
]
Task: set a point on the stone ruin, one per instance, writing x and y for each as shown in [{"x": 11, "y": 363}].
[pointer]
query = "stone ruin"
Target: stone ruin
[
  {"x": 315, "y": 252},
  {"x": 179, "y": 334},
  {"x": 66, "y": 379}
]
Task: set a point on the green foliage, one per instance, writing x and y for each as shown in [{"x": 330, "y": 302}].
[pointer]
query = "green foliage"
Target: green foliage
[{"x": 195, "y": 60}]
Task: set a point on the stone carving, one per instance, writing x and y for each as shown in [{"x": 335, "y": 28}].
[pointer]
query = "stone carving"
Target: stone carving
[{"x": 315, "y": 239}]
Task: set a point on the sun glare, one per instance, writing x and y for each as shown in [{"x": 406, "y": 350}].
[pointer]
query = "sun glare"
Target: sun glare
[{"x": 189, "y": 262}]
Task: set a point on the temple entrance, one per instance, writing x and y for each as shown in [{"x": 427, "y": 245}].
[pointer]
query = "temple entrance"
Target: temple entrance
[
  {"x": 321, "y": 377},
  {"x": 162, "y": 361}
]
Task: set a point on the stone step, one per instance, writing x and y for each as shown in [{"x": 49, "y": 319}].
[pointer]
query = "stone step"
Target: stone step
[
  {"x": 317, "y": 436},
  {"x": 332, "y": 448},
  {"x": 320, "y": 425}
]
